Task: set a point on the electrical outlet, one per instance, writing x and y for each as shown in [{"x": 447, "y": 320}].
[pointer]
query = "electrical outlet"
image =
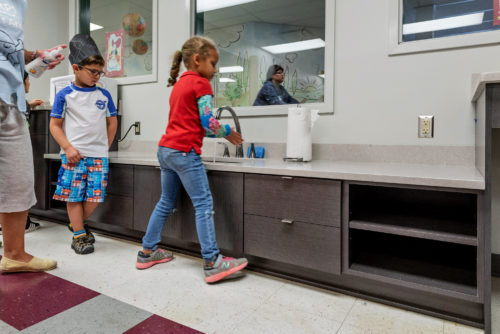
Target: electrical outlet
[
  {"x": 425, "y": 126},
  {"x": 137, "y": 128}
]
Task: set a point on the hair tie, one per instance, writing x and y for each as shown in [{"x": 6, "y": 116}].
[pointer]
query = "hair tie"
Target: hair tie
[{"x": 180, "y": 51}]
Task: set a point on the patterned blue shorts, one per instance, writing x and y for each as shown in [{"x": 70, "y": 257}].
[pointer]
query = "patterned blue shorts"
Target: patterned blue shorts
[{"x": 82, "y": 181}]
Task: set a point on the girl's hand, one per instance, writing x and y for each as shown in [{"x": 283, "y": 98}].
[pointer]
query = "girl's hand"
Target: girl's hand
[
  {"x": 72, "y": 155},
  {"x": 35, "y": 102},
  {"x": 234, "y": 137}
]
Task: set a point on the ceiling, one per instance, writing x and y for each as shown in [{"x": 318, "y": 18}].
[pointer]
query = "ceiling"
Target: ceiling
[{"x": 309, "y": 13}]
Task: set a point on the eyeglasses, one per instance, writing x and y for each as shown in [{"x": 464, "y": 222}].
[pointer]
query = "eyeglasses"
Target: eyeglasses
[{"x": 93, "y": 72}]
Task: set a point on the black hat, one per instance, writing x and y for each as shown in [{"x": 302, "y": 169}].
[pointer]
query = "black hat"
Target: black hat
[{"x": 82, "y": 47}]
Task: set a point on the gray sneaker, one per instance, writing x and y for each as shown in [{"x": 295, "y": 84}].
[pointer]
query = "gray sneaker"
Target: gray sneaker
[
  {"x": 157, "y": 256},
  {"x": 82, "y": 246},
  {"x": 90, "y": 237},
  {"x": 223, "y": 267}
]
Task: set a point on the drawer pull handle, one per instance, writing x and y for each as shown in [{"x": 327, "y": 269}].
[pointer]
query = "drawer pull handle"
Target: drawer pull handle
[
  {"x": 287, "y": 221},
  {"x": 287, "y": 177}
]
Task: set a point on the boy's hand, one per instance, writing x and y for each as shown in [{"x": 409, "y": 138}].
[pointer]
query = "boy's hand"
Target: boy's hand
[
  {"x": 234, "y": 137},
  {"x": 72, "y": 155}
]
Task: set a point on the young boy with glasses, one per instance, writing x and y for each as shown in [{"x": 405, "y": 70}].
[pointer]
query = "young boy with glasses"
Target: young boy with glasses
[{"x": 83, "y": 122}]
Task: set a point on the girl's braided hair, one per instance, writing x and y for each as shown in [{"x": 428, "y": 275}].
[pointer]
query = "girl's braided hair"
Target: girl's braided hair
[{"x": 195, "y": 45}]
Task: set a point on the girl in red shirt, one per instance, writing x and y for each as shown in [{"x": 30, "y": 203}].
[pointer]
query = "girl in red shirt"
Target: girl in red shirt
[{"x": 179, "y": 151}]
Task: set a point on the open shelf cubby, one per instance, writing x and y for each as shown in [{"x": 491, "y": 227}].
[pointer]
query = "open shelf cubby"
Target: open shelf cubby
[
  {"x": 427, "y": 214},
  {"x": 444, "y": 267}
]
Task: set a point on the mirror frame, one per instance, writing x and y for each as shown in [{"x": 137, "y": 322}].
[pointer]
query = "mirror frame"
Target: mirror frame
[{"x": 326, "y": 107}]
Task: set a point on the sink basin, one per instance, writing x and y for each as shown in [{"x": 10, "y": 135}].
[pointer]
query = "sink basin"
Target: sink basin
[{"x": 225, "y": 160}]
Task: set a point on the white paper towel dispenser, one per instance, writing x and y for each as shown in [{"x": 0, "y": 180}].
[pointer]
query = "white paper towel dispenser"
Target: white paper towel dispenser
[{"x": 299, "y": 131}]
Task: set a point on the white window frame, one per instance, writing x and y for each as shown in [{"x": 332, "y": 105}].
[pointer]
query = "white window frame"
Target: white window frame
[
  {"x": 325, "y": 107},
  {"x": 397, "y": 47},
  {"x": 139, "y": 79}
]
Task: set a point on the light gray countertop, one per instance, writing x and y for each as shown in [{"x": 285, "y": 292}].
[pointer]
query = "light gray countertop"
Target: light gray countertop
[
  {"x": 479, "y": 80},
  {"x": 464, "y": 177}
]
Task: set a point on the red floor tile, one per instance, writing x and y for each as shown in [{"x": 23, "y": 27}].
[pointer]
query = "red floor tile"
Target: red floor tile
[
  {"x": 158, "y": 325},
  {"x": 28, "y": 298}
]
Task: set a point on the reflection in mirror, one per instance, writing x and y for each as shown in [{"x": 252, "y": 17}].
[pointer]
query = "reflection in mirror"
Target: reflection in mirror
[
  {"x": 270, "y": 52},
  {"x": 123, "y": 31}
]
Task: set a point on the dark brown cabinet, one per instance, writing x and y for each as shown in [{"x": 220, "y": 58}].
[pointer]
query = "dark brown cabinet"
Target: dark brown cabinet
[
  {"x": 425, "y": 243},
  {"x": 147, "y": 192},
  {"x": 422, "y": 238},
  {"x": 39, "y": 132},
  {"x": 294, "y": 198},
  {"x": 307, "y": 245},
  {"x": 118, "y": 206},
  {"x": 227, "y": 194},
  {"x": 422, "y": 248},
  {"x": 180, "y": 228},
  {"x": 293, "y": 220}
]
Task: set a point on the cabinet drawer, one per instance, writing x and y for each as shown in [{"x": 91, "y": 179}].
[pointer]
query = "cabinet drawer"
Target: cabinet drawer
[
  {"x": 147, "y": 192},
  {"x": 306, "y": 245},
  {"x": 121, "y": 180},
  {"x": 294, "y": 198}
]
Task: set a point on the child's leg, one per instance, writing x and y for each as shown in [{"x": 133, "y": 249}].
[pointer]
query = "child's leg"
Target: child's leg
[
  {"x": 88, "y": 209},
  {"x": 75, "y": 214},
  {"x": 170, "y": 184},
  {"x": 195, "y": 181}
]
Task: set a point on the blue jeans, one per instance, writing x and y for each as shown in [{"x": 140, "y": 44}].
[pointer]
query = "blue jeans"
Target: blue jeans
[{"x": 178, "y": 168}]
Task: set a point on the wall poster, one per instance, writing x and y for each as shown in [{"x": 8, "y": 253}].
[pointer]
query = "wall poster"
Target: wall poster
[
  {"x": 114, "y": 53},
  {"x": 496, "y": 12}
]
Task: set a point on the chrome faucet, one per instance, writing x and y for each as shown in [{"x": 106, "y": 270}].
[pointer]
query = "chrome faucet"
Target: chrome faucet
[{"x": 239, "y": 148}]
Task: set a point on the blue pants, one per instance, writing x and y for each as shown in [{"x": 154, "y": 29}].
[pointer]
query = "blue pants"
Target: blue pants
[{"x": 187, "y": 168}]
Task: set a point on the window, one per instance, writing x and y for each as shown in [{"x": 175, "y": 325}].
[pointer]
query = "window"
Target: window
[
  {"x": 443, "y": 24},
  {"x": 253, "y": 35},
  {"x": 442, "y": 18},
  {"x": 125, "y": 32}
]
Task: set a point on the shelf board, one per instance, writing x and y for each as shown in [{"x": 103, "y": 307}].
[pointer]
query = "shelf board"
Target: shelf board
[
  {"x": 418, "y": 227},
  {"x": 415, "y": 273}
]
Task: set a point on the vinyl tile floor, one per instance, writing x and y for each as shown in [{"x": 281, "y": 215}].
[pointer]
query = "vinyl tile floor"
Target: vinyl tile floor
[{"x": 104, "y": 293}]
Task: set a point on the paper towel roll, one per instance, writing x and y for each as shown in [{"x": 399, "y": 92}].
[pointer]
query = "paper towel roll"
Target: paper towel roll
[{"x": 300, "y": 123}]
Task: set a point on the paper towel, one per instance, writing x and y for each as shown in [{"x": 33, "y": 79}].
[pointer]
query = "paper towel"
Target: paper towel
[{"x": 300, "y": 123}]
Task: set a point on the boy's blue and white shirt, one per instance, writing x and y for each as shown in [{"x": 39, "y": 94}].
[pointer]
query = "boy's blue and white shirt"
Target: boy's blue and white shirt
[{"x": 84, "y": 111}]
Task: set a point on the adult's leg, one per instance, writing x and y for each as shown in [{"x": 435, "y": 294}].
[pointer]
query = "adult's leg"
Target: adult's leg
[
  {"x": 16, "y": 180},
  {"x": 13, "y": 235},
  {"x": 170, "y": 184}
]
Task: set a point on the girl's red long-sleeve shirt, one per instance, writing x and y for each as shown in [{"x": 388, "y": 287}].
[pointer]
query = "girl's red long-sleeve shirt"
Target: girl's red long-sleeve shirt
[{"x": 184, "y": 130}]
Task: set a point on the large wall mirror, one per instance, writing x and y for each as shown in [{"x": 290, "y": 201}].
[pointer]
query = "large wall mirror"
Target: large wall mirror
[
  {"x": 125, "y": 32},
  {"x": 272, "y": 54}
]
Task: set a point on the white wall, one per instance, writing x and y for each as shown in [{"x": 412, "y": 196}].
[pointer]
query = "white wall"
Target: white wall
[
  {"x": 44, "y": 29},
  {"x": 148, "y": 103},
  {"x": 377, "y": 98}
]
